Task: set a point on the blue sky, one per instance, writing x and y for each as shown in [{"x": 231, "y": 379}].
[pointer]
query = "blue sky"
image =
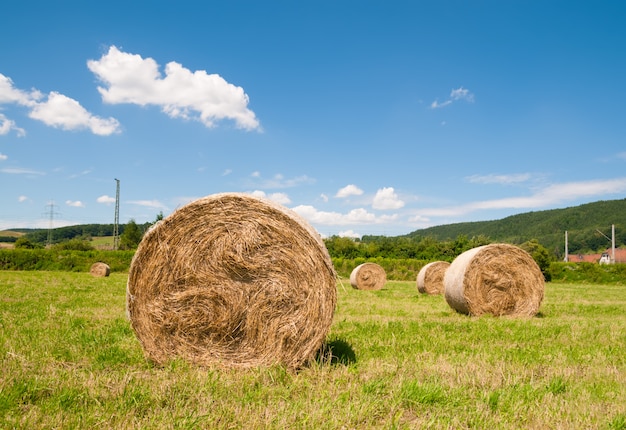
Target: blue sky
[{"x": 365, "y": 117}]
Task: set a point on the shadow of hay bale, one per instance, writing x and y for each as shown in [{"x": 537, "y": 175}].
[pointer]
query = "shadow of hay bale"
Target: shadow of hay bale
[{"x": 336, "y": 352}]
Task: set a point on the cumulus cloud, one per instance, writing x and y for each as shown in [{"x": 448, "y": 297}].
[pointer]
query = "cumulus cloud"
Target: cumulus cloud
[
  {"x": 349, "y": 190},
  {"x": 280, "y": 198},
  {"x": 57, "y": 111},
  {"x": 358, "y": 216},
  {"x": 455, "y": 95},
  {"x": 22, "y": 199},
  {"x": 107, "y": 200},
  {"x": 6, "y": 125},
  {"x": 62, "y": 112},
  {"x": 75, "y": 204},
  {"x": 349, "y": 233},
  {"x": 181, "y": 93},
  {"x": 3, "y": 157},
  {"x": 386, "y": 198},
  {"x": 11, "y": 95}
]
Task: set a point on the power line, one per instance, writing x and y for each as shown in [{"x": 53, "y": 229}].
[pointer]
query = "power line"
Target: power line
[{"x": 50, "y": 213}]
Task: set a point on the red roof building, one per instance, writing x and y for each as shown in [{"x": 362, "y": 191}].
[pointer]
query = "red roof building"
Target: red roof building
[{"x": 620, "y": 256}]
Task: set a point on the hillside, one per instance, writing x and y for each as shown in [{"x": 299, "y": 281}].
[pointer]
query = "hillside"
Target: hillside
[{"x": 548, "y": 227}]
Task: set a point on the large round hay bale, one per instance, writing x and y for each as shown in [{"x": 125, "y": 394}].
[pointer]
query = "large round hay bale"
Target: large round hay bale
[
  {"x": 496, "y": 279},
  {"x": 368, "y": 276},
  {"x": 231, "y": 280},
  {"x": 99, "y": 269},
  {"x": 430, "y": 277}
]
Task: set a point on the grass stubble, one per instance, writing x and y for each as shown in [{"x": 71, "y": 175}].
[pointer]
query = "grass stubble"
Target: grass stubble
[{"x": 394, "y": 359}]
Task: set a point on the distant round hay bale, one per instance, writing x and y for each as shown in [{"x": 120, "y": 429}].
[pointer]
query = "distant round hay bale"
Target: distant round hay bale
[
  {"x": 368, "y": 276},
  {"x": 430, "y": 277},
  {"x": 496, "y": 279},
  {"x": 100, "y": 270},
  {"x": 231, "y": 280}
]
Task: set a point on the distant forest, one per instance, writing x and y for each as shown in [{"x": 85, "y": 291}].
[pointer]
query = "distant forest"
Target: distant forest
[{"x": 588, "y": 227}]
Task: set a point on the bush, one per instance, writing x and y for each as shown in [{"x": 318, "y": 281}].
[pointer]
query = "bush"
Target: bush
[
  {"x": 581, "y": 273},
  {"x": 63, "y": 260},
  {"x": 74, "y": 245}
]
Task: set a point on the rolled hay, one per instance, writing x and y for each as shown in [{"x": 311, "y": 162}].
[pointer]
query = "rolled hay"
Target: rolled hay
[
  {"x": 231, "y": 280},
  {"x": 496, "y": 279},
  {"x": 430, "y": 277},
  {"x": 99, "y": 270},
  {"x": 368, "y": 276}
]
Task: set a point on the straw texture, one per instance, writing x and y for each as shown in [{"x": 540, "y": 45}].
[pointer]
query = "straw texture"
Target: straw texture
[
  {"x": 430, "y": 277},
  {"x": 368, "y": 276},
  {"x": 99, "y": 270},
  {"x": 496, "y": 279},
  {"x": 231, "y": 280}
]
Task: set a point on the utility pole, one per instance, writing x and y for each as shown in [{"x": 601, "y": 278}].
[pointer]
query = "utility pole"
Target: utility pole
[
  {"x": 612, "y": 240},
  {"x": 50, "y": 213},
  {"x": 116, "y": 224},
  {"x": 612, "y": 243},
  {"x": 566, "y": 259}
]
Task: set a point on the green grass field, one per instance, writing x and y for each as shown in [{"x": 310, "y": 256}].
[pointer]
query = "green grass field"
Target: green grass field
[{"x": 401, "y": 360}]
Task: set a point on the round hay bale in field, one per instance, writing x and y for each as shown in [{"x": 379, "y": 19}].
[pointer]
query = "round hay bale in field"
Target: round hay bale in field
[
  {"x": 496, "y": 279},
  {"x": 430, "y": 277},
  {"x": 100, "y": 270},
  {"x": 368, "y": 276},
  {"x": 231, "y": 280}
]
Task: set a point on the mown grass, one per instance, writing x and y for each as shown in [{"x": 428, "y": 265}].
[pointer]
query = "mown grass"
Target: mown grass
[{"x": 399, "y": 360}]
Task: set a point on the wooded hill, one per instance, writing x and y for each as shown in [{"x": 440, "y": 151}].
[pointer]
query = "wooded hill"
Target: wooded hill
[{"x": 548, "y": 227}]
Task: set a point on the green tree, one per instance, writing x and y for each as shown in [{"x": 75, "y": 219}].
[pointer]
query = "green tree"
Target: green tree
[
  {"x": 131, "y": 236},
  {"x": 341, "y": 247},
  {"x": 541, "y": 256},
  {"x": 24, "y": 243}
]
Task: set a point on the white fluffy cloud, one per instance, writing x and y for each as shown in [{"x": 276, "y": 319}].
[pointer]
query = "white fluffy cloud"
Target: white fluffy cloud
[
  {"x": 75, "y": 204},
  {"x": 208, "y": 98},
  {"x": 349, "y": 190},
  {"x": 57, "y": 111},
  {"x": 349, "y": 233},
  {"x": 386, "y": 198},
  {"x": 6, "y": 125},
  {"x": 280, "y": 198},
  {"x": 65, "y": 113},
  {"x": 107, "y": 200},
  {"x": 11, "y": 95},
  {"x": 358, "y": 216}
]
